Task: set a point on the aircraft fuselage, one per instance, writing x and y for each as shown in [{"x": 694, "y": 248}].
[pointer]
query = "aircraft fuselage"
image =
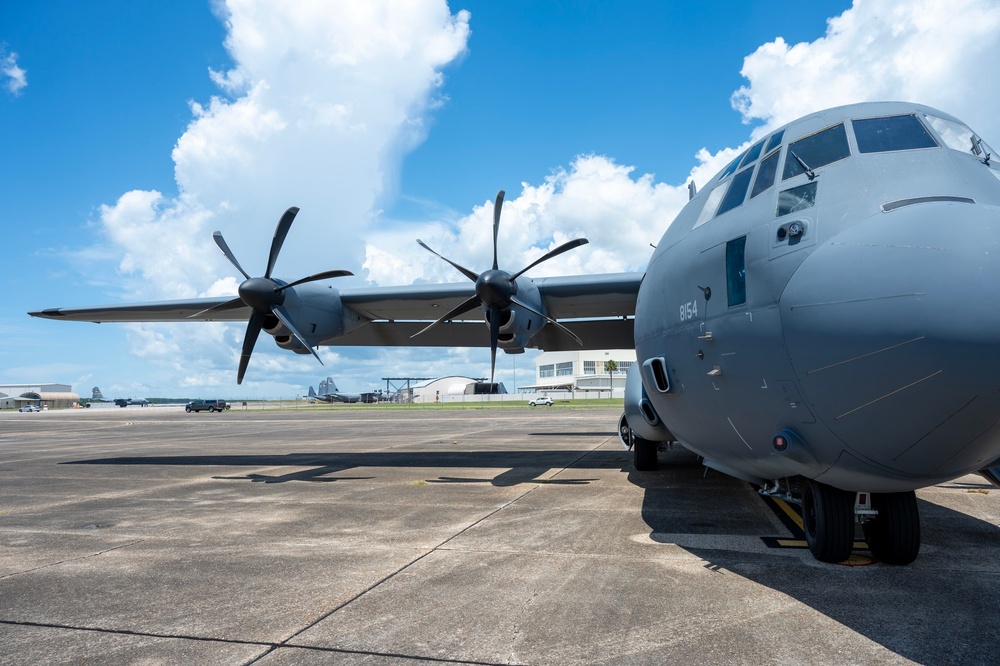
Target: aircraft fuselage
[{"x": 837, "y": 286}]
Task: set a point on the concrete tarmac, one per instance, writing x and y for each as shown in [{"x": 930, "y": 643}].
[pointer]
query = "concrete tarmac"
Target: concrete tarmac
[{"x": 377, "y": 536}]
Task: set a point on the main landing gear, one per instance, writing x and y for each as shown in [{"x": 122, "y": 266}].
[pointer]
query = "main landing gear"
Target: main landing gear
[
  {"x": 644, "y": 452},
  {"x": 890, "y": 521}
]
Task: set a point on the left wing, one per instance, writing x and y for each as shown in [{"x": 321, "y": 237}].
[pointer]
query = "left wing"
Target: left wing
[
  {"x": 519, "y": 312},
  {"x": 598, "y": 308}
]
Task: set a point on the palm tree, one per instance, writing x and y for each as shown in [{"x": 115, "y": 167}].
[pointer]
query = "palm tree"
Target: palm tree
[{"x": 610, "y": 367}]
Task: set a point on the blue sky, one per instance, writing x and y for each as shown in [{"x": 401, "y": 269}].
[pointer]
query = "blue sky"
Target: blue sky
[{"x": 132, "y": 130}]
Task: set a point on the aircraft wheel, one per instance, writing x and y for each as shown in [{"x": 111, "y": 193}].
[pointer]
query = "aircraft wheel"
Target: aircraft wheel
[
  {"x": 624, "y": 432},
  {"x": 644, "y": 454},
  {"x": 828, "y": 521},
  {"x": 894, "y": 535}
]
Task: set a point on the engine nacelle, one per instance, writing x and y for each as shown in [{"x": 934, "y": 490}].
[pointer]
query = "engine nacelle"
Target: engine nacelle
[
  {"x": 318, "y": 314},
  {"x": 517, "y": 325},
  {"x": 639, "y": 412}
]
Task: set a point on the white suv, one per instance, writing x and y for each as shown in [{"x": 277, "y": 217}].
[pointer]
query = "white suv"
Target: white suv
[{"x": 541, "y": 400}]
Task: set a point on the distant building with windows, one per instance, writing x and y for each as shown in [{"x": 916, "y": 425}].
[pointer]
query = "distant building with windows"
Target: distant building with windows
[{"x": 582, "y": 371}]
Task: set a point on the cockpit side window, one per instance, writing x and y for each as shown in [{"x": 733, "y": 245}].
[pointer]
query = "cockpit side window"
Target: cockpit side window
[
  {"x": 752, "y": 153},
  {"x": 796, "y": 199},
  {"x": 737, "y": 191},
  {"x": 774, "y": 141},
  {"x": 732, "y": 166},
  {"x": 961, "y": 138},
  {"x": 708, "y": 208},
  {"x": 882, "y": 135},
  {"x": 816, "y": 150},
  {"x": 766, "y": 172},
  {"x": 955, "y": 136}
]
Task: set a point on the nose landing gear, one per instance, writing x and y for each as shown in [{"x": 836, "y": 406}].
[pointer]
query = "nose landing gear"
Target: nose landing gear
[{"x": 891, "y": 524}]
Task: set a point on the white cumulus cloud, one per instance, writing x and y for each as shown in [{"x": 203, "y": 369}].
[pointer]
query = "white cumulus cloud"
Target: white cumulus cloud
[
  {"x": 322, "y": 102},
  {"x": 942, "y": 53},
  {"x": 14, "y": 78},
  {"x": 619, "y": 213}
]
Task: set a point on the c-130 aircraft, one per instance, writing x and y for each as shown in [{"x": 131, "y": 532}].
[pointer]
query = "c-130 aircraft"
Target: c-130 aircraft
[{"x": 820, "y": 319}]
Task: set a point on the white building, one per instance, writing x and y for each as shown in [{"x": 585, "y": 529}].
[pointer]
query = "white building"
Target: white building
[{"x": 582, "y": 371}]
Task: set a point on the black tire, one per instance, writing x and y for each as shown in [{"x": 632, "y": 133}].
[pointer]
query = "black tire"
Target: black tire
[
  {"x": 828, "y": 521},
  {"x": 187, "y": 409},
  {"x": 894, "y": 535},
  {"x": 624, "y": 432},
  {"x": 644, "y": 454},
  {"x": 211, "y": 409}
]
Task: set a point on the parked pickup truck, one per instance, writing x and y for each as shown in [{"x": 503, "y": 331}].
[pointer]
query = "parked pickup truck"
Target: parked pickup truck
[{"x": 210, "y": 405}]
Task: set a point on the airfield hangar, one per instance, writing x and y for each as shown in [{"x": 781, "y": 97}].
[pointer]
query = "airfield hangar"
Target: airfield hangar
[{"x": 13, "y": 396}]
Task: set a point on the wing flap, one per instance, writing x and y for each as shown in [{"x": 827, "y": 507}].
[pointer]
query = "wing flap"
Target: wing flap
[{"x": 601, "y": 334}]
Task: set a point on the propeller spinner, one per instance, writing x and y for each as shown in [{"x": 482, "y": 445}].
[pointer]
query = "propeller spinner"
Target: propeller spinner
[
  {"x": 496, "y": 289},
  {"x": 266, "y": 296}
]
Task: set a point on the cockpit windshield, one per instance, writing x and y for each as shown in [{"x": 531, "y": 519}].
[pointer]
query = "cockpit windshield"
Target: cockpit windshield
[
  {"x": 882, "y": 135},
  {"x": 816, "y": 150}
]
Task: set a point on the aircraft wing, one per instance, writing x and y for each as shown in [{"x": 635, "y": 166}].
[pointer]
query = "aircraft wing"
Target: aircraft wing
[
  {"x": 598, "y": 308},
  {"x": 577, "y": 297},
  {"x": 186, "y": 310}
]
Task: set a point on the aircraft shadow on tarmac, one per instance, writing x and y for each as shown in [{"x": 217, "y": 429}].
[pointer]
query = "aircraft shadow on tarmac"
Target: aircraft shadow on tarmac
[
  {"x": 933, "y": 611},
  {"x": 517, "y": 466}
]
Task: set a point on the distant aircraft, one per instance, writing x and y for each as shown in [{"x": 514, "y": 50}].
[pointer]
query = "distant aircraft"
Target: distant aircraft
[
  {"x": 328, "y": 392},
  {"x": 125, "y": 402},
  {"x": 820, "y": 319},
  {"x": 97, "y": 396}
]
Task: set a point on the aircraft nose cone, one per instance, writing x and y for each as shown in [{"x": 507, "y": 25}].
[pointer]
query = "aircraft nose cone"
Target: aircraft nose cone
[
  {"x": 893, "y": 329},
  {"x": 259, "y": 294}
]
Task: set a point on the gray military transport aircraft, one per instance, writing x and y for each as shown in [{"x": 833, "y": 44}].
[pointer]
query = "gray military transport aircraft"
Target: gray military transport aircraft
[{"x": 820, "y": 319}]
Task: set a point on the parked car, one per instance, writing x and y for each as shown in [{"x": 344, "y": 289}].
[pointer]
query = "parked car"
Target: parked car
[
  {"x": 210, "y": 405},
  {"x": 29, "y": 408},
  {"x": 541, "y": 400}
]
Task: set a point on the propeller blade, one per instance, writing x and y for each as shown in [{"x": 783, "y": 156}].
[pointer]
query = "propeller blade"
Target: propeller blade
[
  {"x": 284, "y": 224},
  {"x": 234, "y": 304},
  {"x": 461, "y": 309},
  {"x": 283, "y": 316},
  {"x": 497, "y": 207},
  {"x": 313, "y": 278},
  {"x": 494, "y": 339},
  {"x": 249, "y": 340},
  {"x": 221, "y": 242},
  {"x": 464, "y": 271},
  {"x": 547, "y": 318},
  {"x": 565, "y": 247}
]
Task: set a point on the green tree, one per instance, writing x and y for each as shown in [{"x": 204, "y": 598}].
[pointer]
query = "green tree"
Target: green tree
[{"x": 611, "y": 367}]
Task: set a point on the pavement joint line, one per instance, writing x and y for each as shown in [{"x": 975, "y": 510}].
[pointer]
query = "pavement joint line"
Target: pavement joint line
[
  {"x": 72, "y": 559},
  {"x": 238, "y": 641},
  {"x": 439, "y": 547}
]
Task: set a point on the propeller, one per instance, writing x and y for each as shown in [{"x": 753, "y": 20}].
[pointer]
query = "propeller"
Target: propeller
[
  {"x": 496, "y": 289},
  {"x": 264, "y": 295}
]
